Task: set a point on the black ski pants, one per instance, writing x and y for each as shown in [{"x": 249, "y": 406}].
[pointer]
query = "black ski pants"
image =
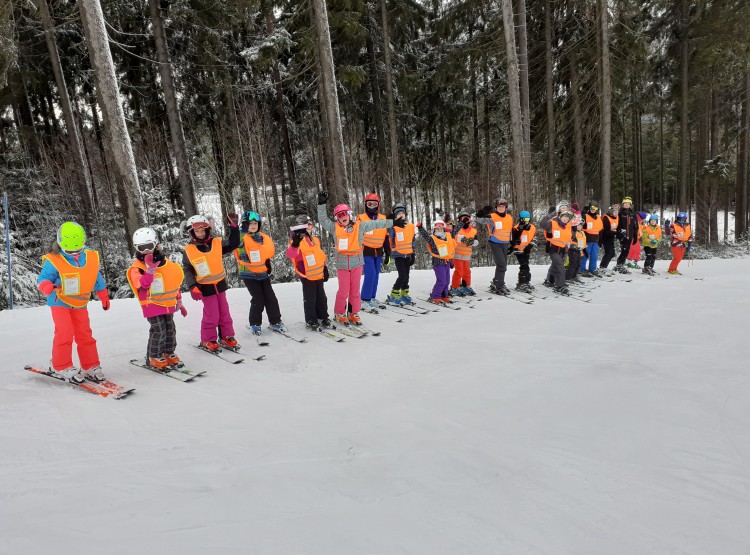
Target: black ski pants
[
  {"x": 524, "y": 271},
  {"x": 403, "y": 268},
  {"x": 650, "y": 257},
  {"x": 624, "y": 251},
  {"x": 263, "y": 297},
  {"x": 609, "y": 250},
  {"x": 574, "y": 263},
  {"x": 162, "y": 337},
  {"x": 556, "y": 272},
  {"x": 500, "y": 254},
  {"x": 315, "y": 300}
]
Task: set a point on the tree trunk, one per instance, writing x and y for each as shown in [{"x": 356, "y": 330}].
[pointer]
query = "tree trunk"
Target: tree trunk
[
  {"x": 661, "y": 158},
  {"x": 184, "y": 173},
  {"x": 579, "y": 192},
  {"x": 382, "y": 155},
  {"x": 746, "y": 160},
  {"x": 684, "y": 122},
  {"x": 523, "y": 67},
  {"x": 117, "y": 139},
  {"x": 606, "y": 104},
  {"x": 392, "y": 129},
  {"x": 519, "y": 186},
  {"x": 85, "y": 183},
  {"x": 551, "y": 179},
  {"x": 330, "y": 99}
]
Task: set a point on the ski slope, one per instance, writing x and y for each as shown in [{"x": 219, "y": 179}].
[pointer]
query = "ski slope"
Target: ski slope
[{"x": 618, "y": 426}]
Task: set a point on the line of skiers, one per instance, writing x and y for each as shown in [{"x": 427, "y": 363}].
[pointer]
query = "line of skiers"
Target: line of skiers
[{"x": 70, "y": 272}]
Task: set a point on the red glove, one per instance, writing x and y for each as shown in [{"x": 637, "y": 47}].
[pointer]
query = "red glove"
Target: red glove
[
  {"x": 233, "y": 219},
  {"x": 195, "y": 292},
  {"x": 418, "y": 224},
  {"x": 150, "y": 264},
  {"x": 104, "y": 298},
  {"x": 181, "y": 308},
  {"x": 46, "y": 287}
]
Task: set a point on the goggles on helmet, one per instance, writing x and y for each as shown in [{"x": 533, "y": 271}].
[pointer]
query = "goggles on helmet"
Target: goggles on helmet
[
  {"x": 252, "y": 216},
  {"x": 200, "y": 225},
  {"x": 146, "y": 248}
]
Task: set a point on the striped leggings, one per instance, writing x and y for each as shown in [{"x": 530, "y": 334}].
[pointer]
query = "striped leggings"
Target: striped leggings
[{"x": 162, "y": 337}]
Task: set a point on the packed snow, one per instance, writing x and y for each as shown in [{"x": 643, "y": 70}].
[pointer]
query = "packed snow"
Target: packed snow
[{"x": 618, "y": 426}]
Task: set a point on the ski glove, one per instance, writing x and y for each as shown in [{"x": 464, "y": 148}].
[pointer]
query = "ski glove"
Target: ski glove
[
  {"x": 296, "y": 239},
  {"x": 46, "y": 287},
  {"x": 104, "y": 298},
  {"x": 150, "y": 264},
  {"x": 233, "y": 219},
  {"x": 419, "y": 225},
  {"x": 181, "y": 308},
  {"x": 386, "y": 259},
  {"x": 195, "y": 292},
  {"x": 690, "y": 244},
  {"x": 322, "y": 198}
]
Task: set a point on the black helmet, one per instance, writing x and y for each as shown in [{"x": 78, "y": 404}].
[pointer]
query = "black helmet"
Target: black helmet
[{"x": 399, "y": 208}]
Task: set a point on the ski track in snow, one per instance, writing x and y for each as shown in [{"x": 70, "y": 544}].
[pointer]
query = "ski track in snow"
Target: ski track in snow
[{"x": 616, "y": 426}]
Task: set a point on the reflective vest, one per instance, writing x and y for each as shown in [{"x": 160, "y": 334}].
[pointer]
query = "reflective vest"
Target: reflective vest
[
  {"x": 209, "y": 268},
  {"x": 445, "y": 247},
  {"x": 580, "y": 239},
  {"x": 76, "y": 282},
  {"x": 313, "y": 258},
  {"x": 375, "y": 237},
  {"x": 559, "y": 236},
  {"x": 164, "y": 288},
  {"x": 594, "y": 226},
  {"x": 680, "y": 233},
  {"x": 402, "y": 241},
  {"x": 612, "y": 222},
  {"x": 463, "y": 249},
  {"x": 501, "y": 228},
  {"x": 527, "y": 236},
  {"x": 348, "y": 242},
  {"x": 256, "y": 253},
  {"x": 649, "y": 234}
]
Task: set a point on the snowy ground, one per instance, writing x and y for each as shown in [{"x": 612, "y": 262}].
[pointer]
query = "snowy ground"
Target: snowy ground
[{"x": 619, "y": 426}]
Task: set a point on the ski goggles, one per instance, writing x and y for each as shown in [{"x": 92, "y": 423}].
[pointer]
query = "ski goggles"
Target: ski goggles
[
  {"x": 372, "y": 203},
  {"x": 146, "y": 248},
  {"x": 252, "y": 216},
  {"x": 200, "y": 225},
  {"x": 593, "y": 208},
  {"x": 342, "y": 215}
]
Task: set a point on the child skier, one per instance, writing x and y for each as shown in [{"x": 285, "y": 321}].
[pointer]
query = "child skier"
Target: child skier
[
  {"x": 610, "y": 221},
  {"x": 376, "y": 251},
  {"x": 441, "y": 245},
  {"x": 634, "y": 254},
  {"x": 558, "y": 234},
  {"x": 592, "y": 227},
  {"x": 155, "y": 281},
  {"x": 349, "y": 261},
  {"x": 466, "y": 240},
  {"x": 254, "y": 269},
  {"x": 681, "y": 241},
  {"x": 309, "y": 262},
  {"x": 205, "y": 278},
  {"x": 499, "y": 226},
  {"x": 627, "y": 233},
  {"x": 522, "y": 243},
  {"x": 70, "y": 273},
  {"x": 650, "y": 239},
  {"x": 402, "y": 250},
  {"x": 577, "y": 247}
]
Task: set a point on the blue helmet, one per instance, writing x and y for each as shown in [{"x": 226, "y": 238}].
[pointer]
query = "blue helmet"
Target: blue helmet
[
  {"x": 653, "y": 217},
  {"x": 525, "y": 215},
  {"x": 681, "y": 216}
]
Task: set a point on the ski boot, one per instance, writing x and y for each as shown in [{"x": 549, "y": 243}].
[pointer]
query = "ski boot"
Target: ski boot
[
  {"x": 621, "y": 269},
  {"x": 469, "y": 291},
  {"x": 405, "y": 298},
  {"x": 72, "y": 375},
  {"x": 341, "y": 318},
  {"x": 395, "y": 298},
  {"x": 455, "y": 292},
  {"x": 586, "y": 274},
  {"x": 435, "y": 301},
  {"x": 212, "y": 346},
  {"x": 174, "y": 361},
  {"x": 230, "y": 343},
  {"x": 355, "y": 319},
  {"x": 255, "y": 329},
  {"x": 674, "y": 272},
  {"x": 447, "y": 300},
  {"x": 279, "y": 326},
  {"x": 160, "y": 364},
  {"x": 312, "y": 325},
  {"x": 326, "y": 323},
  {"x": 562, "y": 291},
  {"x": 94, "y": 374}
]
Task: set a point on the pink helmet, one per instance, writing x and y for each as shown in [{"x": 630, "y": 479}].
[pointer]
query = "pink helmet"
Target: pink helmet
[{"x": 341, "y": 208}]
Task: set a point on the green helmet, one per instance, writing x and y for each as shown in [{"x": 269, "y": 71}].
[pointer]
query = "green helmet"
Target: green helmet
[{"x": 71, "y": 236}]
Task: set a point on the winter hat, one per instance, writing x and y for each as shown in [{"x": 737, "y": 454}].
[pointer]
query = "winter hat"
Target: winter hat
[
  {"x": 642, "y": 215},
  {"x": 575, "y": 208}
]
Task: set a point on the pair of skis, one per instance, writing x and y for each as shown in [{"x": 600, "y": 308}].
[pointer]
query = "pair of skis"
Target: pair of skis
[{"x": 104, "y": 389}]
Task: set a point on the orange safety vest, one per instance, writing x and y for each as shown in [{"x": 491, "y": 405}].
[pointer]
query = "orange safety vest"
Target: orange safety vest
[
  {"x": 580, "y": 239},
  {"x": 209, "y": 268},
  {"x": 463, "y": 249},
  {"x": 613, "y": 221},
  {"x": 256, "y": 253},
  {"x": 445, "y": 247},
  {"x": 76, "y": 282},
  {"x": 375, "y": 237},
  {"x": 527, "y": 237},
  {"x": 164, "y": 288},
  {"x": 348, "y": 242},
  {"x": 649, "y": 234},
  {"x": 502, "y": 227},
  {"x": 403, "y": 239},
  {"x": 682, "y": 233},
  {"x": 594, "y": 225},
  {"x": 559, "y": 236},
  {"x": 313, "y": 258}
]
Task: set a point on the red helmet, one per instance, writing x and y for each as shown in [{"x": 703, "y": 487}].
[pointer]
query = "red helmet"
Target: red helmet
[{"x": 373, "y": 196}]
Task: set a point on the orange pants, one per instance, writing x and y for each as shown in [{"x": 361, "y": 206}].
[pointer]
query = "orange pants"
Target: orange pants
[
  {"x": 677, "y": 254},
  {"x": 72, "y": 324},
  {"x": 462, "y": 271}
]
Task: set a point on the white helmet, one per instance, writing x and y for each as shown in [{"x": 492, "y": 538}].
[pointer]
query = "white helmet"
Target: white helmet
[
  {"x": 439, "y": 223},
  {"x": 198, "y": 219},
  {"x": 144, "y": 236}
]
